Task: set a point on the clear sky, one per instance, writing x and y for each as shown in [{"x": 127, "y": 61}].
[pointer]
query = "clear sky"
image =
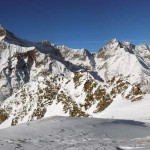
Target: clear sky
[{"x": 78, "y": 23}]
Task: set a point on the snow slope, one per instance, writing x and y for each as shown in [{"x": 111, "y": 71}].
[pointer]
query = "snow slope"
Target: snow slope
[
  {"x": 76, "y": 133},
  {"x": 123, "y": 109}
]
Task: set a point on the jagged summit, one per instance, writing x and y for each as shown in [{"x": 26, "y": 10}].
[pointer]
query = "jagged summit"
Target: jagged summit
[
  {"x": 10, "y": 38},
  {"x": 114, "y": 40},
  {"x": 2, "y": 33},
  {"x": 1, "y": 27}
]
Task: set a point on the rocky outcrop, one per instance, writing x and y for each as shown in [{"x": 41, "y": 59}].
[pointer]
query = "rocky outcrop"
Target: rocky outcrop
[{"x": 3, "y": 115}]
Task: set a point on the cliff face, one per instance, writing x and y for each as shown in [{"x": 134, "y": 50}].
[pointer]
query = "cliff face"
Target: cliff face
[{"x": 41, "y": 79}]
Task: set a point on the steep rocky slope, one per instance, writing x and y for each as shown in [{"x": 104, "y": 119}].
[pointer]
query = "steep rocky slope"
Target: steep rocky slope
[{"x": 42, "y": 79}]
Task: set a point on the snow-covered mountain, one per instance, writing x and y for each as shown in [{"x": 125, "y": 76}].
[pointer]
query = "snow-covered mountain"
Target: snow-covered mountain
[{"x": 42, "y": 79}]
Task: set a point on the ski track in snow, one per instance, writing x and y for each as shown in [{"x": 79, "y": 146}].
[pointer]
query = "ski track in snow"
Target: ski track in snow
[{"x": 67, "y": 133}]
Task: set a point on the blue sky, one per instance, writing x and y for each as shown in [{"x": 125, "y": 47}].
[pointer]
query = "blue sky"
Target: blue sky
[{"x": 78, "y": 23}]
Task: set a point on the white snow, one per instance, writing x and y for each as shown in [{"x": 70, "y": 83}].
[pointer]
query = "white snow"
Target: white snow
[
  {"x": 55, "y": 110},
  {"x": 125, "y": 109},
  {"x": 1, "y": 38},
  {"x": 67, "y": 133}
]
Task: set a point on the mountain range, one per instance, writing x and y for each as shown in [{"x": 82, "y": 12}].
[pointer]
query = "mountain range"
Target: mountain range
[{"x": 41, "y": 79}]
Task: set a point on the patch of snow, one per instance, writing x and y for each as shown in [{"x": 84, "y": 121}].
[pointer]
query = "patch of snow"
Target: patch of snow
[{"x": 125, "y": 109}]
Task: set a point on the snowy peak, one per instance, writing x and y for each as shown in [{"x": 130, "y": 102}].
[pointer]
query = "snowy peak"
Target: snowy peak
[
  {"x": 112, "y": 44},
  {"x": 126, "y": 61},
  {"x": 113, "y": 41},
  {"x": 2, "y": 33},
  {"x": 79, "y": 57},
  {"x": 7, "y": 36}
]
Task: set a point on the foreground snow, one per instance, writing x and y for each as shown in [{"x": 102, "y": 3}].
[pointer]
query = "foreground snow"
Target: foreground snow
[{"x": 67, "y": 133}]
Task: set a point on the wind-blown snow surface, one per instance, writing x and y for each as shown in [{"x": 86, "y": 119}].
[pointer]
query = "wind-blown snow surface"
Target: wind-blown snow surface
[{"x": 67, "y": 133}]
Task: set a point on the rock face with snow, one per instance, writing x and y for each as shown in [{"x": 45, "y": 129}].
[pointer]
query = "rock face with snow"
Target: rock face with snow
[{"x": 41, "y": 79}]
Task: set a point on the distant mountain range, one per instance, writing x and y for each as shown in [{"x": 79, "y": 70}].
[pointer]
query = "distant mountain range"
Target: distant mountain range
[{"x": 40, "y": 79}]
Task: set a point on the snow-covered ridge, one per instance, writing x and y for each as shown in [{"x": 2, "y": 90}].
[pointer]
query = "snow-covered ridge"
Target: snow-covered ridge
[{"x": 38, "y": 78}]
